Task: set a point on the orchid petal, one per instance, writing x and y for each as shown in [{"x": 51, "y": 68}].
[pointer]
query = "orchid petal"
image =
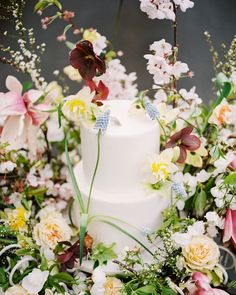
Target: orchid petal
[
  {"x": 14, "y": 85},
  {"x": 191, "y": 142},
  {"x": 182, "y": 155},
  {"x": 12, "y": 104}
]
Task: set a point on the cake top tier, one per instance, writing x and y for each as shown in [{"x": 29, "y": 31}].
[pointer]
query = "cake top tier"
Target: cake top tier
[
  {"x": 125, "y": 146},
  {"x": 125, "y": 120}
]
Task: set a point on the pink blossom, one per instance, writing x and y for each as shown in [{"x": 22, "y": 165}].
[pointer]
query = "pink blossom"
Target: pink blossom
[
  {"x": 202, "y": 286},
  {"x": 230, "y": 227},
  {"x": 23, "y": 117},
  {"x": 233, "y": 163}
]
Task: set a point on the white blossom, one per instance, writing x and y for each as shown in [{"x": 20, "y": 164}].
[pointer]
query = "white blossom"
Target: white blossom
[{"x": 35, "y": 280}]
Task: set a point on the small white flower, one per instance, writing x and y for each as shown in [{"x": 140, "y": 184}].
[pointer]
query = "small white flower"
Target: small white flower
[
  {"x": 184, "y": 4},
  {"x": 161, "y": 48},
  {"x": 222, "y": 114},
  {"x": 7, "y": 166},
  {"x": 35, "y": 280},
  {"x": 222, "y": 163},
  {"x": 203, "y": 176},
  {"x": 179, "y": 68}
]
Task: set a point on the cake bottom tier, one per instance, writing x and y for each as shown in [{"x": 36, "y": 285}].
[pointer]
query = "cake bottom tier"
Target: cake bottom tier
[{"x": 137, "y": 213}]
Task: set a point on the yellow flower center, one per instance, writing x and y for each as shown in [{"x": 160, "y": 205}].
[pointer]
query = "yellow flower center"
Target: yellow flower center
[
  {"x": 222, "y": 113},
  {"x": 53, "y": 234},
  {"x": 76, "y": 106},
  {"x": 17, "y": 219},
  {"x": 160, "y": 170},
  {"x": 199, "y": 253}
]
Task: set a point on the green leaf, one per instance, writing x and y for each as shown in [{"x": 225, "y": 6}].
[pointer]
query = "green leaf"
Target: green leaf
[
  {"x": 27, "y": 86},
  {"x": 220, "y": 80},
  {"x": 67, "y": 28},
  {"x": 167, "y": 291},
  {"x": 63, "y": 277},
  {"x": 70, "y": 45},
  {"x": 82, "y": 233},
  {"x": 146, "y": 290},
  {"x": 200, "y": 203},
  {"x": 57, "y": 4},
  {"x": 103, "y": 254},
  {"x": 230, "y": 179}
]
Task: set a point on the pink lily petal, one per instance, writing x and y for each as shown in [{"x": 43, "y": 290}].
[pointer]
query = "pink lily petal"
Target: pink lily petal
[
  {"x": 228, "y": 226},
  {"x": 14, "y": 85},
  {"x": 13, "y": 132},
  {"x": 31, "y": 135},
  {"x": 37, "y": 117},
  {"x": 233, "y": 214},
  {"x": 12, "y": 104},
  {"x": 32, "y": 96}
]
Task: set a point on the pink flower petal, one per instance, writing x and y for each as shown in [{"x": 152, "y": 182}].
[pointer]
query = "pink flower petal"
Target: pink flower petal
[
  {"x": 37, "y": 117},
  {"x": 13, "y": 132},
  {"x": 32, "y": 96},
  {"x": 233, "y": 216},
  {"x": 14, "y": 85},
  {"x": 228, "y": 226},
  {"x": 12, "y": 104}
]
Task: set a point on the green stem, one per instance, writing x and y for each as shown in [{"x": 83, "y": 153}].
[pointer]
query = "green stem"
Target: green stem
[
  {"x": 163, "y": 129},
  {"x": 95, "y": 170}
]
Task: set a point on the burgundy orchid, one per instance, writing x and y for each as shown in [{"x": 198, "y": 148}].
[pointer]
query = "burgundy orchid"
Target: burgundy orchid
[
  {"x": 70, "y": 256},
  {"x": 185, "y": 141},
  {"x": 101, "y": 91},
  {"x": 86, "y": 61}
]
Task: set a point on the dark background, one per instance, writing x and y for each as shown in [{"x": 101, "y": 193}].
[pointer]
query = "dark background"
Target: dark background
[{"x": 136, "y": 33}]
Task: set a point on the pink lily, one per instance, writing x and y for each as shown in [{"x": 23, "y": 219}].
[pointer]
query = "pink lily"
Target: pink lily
[
  {"x": 230, "y": 227},
  {"x": 23, "y": 117},
  {"x": 202, "y": 286}
]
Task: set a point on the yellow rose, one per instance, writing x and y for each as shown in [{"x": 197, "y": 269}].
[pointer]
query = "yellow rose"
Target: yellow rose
[
  {"x": 16, "y": 290},
  {"x": 113, "y": 286},
  {"x": 201, "y": 253},
  {"x": 52, "y": 229}
]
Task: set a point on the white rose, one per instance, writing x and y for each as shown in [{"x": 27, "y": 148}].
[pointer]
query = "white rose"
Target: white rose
[
  {"x": 113, "y": 286},
  {"x": 52, "y": 229},
  {"x": 201, "y": 253},
  {"x": 35, "y": 280},
  {"x": 16, "y": 290}
]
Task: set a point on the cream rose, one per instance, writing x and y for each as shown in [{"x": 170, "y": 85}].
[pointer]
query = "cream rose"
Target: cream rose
[
  {"x": 113, "y": 286},
  {"x": 17, "y": 289},
  {"x": 52, "y": 229},
  {"x": 201, "y": 253}
]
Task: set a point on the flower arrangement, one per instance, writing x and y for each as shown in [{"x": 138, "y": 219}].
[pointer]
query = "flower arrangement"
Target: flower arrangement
[{"x": 41, "y": 249}]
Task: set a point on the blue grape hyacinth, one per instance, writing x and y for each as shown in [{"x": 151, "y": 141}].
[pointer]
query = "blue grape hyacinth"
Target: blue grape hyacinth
[
  {"x": 179, "y": 189},
  {"x": 151, "y": 110},
  {"x": 102, "y": 121}
]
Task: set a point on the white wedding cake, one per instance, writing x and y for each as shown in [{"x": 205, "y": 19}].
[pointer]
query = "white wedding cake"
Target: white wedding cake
[{"x": 120, "y": 194}]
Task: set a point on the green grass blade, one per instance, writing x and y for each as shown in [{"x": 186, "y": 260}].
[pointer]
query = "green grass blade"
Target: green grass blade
[
  {"x": 74, "y": 182},
  {"x": 127, "y": 234}
]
